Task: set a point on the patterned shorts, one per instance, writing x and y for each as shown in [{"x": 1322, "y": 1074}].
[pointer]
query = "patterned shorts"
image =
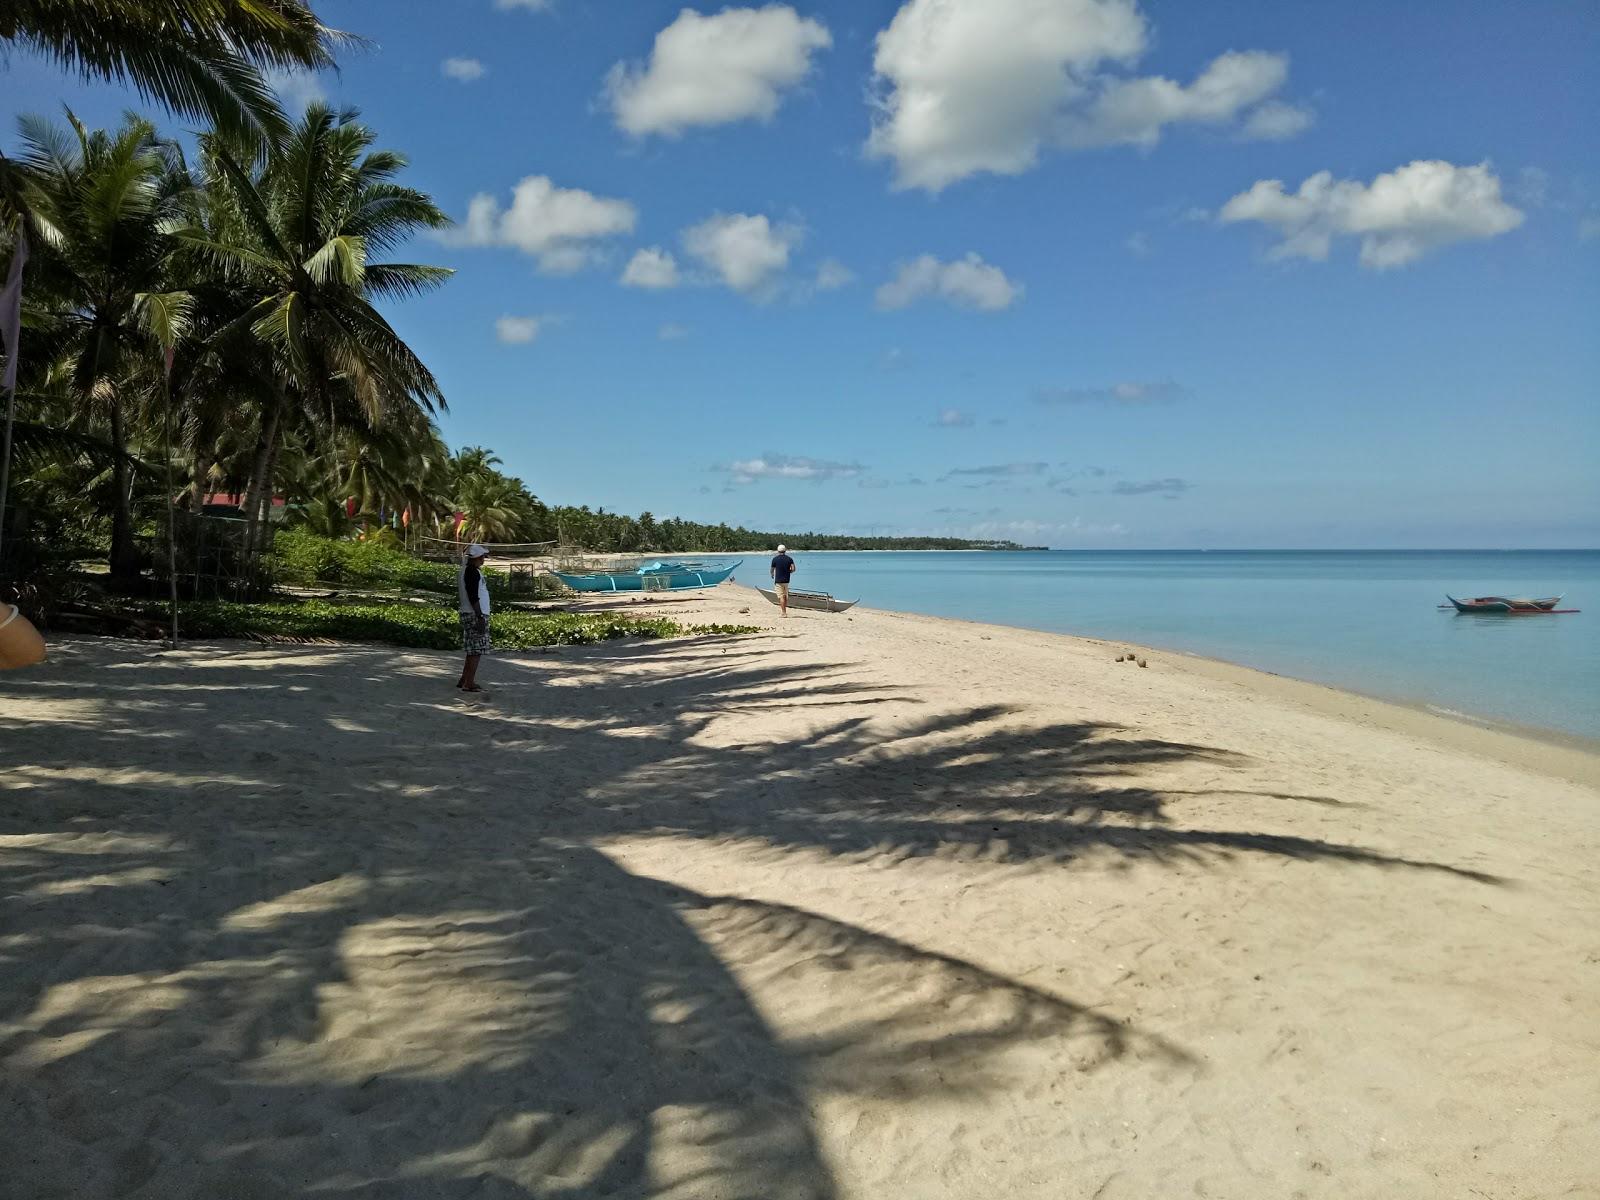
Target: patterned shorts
[{"x": 473, "y": 639}]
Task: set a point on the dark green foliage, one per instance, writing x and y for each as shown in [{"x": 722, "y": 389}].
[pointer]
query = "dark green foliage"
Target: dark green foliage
[
  {"x": 199, "y": 59},
  {"x": 300, "y": 556},
  {"x": 420, "y": 625}
]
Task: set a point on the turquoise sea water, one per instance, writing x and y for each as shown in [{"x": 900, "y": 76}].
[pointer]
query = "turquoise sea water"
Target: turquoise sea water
[{"x": 1363, "y": 620}]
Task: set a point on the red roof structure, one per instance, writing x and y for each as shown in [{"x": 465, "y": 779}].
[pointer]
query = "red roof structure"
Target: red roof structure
[{"x": 236, "y": 500}]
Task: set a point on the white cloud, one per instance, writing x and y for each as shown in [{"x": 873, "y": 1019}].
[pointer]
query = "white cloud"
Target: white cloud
[
  {"x": 952, "y": 418},
  {"x": 1125, "y": 394},
  {"x": 966, "y": 283},
  {"x": 652, "y": 268},
  {"x": 985, "y": 85},
  {"x": 1168, "y": 489},
  {"x": 1276, "y": 121},
  {"x": 713, "y": 70},
  {"x": 785, "y": 466},
  {"x": 992, "y": 524},
  {"x": 467, "y": 70},
  {"x": 296, "y": 89},
  {"x": 746, "y": 252},
  {"x": 1399, "y": 216},
  {"x": 671, "y": 331},
  {"x": 1138, "y": 244},
  {"x": 973, "y": 85},
  {"x": 557, "y": 226},
  {"x": 517, "y": 331},
  {"x": 1048, "y": 532},
  {"x": 1133, "y": 112},
  {"x": 833, "y": 274},
  {"x": 1531, "y": 187},
  {"x": 1010, "y": 470}
]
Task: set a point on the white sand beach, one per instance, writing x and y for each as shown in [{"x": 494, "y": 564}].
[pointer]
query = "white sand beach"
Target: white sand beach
[{"x": 864, "y": 907}]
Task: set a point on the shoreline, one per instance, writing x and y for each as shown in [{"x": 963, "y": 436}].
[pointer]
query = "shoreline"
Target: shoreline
[
  {"x": 1568, "y": 756},
  {"x": 1563, "y": 717},
  {"x": 1340, "y": 700}
]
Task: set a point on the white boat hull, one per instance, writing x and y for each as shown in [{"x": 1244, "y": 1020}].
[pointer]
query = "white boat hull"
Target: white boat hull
[{"x": 814, "y": 601}]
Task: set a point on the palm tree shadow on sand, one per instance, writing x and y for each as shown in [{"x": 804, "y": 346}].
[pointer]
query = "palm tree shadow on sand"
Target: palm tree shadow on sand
[{"x": 434, "y": 981}]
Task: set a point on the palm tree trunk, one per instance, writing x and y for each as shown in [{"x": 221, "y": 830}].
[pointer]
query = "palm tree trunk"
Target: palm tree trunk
[
  {"x": 124, "y": 554},
  {"x": 201, "y": 458},
  {"x": 124, "y": 557},
  {"x": 200, "y": 464},
  {"x": 268, "y": 491},
  {"x": 261, "y": 463}
]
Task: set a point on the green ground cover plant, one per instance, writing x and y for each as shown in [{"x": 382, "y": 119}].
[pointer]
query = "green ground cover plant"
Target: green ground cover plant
[{"x": 423, "y": 626}]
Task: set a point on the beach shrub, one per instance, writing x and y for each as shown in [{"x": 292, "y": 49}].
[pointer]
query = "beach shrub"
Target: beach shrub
[
  {"x": 423, "y": 626},
  {"x": 300, "y": 556}
]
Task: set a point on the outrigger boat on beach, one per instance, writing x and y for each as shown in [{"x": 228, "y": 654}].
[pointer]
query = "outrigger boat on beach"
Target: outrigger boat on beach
[
  {"x": 652, "y": 577},
  {"x": 1515, "y": 605},
  {"x": 816, "y": 601}
]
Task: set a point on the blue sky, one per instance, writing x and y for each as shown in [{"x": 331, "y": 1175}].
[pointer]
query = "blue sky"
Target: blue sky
[{"x": 1009, "y": 268}]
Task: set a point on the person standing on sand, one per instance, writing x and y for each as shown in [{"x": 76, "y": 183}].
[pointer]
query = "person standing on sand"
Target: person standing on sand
[
  {"x": 473, "y": 593},
  {"x": 782, "y": 572}
]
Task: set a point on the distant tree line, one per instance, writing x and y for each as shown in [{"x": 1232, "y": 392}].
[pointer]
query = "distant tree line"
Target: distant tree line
[
  {"x": 467, "y": 496},
  {"x": 601, "y": 530},
  {"x": 491, "y": 506}
]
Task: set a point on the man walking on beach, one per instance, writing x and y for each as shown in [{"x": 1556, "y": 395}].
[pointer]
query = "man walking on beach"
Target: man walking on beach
[
  {"x": 782, "y": 572},
  {"x": 473, "y": 593}
]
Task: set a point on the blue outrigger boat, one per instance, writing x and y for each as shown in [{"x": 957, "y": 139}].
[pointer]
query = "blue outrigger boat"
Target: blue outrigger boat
[{"x": 652, "y": 577}]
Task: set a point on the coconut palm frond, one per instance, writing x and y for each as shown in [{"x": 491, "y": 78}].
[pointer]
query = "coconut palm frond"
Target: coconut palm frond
[
  {"x": 197, "y": 57},
  {"x": 164, "y": 315},
  {"x": 35, "y": 445}
]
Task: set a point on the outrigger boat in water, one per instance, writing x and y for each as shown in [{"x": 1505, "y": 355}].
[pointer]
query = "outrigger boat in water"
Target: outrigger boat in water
[
  {"x": 652, "y": 577},
  {"x": 816, "y": 601},
  {"x": 1514, "y": 605}
]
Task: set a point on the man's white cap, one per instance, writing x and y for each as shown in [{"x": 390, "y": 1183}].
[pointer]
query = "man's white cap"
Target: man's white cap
[
  {"x": 476, "y": 551},
  {"x": 781, "y": 549}
]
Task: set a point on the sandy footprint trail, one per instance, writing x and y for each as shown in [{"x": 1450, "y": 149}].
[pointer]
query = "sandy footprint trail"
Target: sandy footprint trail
[{"x": 747, "y": 919}]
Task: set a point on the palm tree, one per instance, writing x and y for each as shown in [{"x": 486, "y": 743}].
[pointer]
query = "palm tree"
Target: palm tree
[
  {"x": 498, "y": 508},
  {"x": 293, "y": 238},
  {"x": 473, "y": 460},
  {"x": 99, "y": 202},
  {"x": 398, "y": 466},
  {"x": 202, "y": 58}
]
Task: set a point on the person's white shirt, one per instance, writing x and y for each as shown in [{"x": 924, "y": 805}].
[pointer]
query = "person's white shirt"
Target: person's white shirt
[{"x": 461, "y": 590}]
